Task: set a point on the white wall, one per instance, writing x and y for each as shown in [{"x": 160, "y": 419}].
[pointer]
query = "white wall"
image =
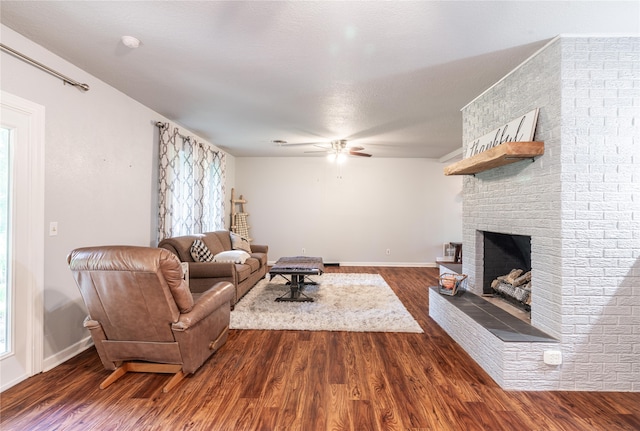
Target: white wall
[
  {"x": 355, "y": 215},
  {"x": 100, "y": 180}
]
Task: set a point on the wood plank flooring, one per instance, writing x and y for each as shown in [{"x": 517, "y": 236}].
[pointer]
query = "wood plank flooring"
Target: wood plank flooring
[{"x": 300, "y": 380}]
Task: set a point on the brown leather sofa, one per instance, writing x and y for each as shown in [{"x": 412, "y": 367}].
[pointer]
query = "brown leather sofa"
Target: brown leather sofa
[
  {"x": 203, "y": 274},
  {"x": 142, "y": 317}
]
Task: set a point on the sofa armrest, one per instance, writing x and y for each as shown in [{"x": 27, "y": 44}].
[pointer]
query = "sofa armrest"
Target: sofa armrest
[
  {"x": 214, "y": 298},
  {"x": 180, "y": 246},
  {"x": 211, "y": 269},
  {"x": 257, "y": 248}
]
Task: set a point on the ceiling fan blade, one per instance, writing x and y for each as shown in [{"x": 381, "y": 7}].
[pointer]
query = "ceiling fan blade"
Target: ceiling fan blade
[
  {"x": 316, "y": 151},
  {"x": 301, "y": 144},
  {"x": 356, "y": 148},
  {"x": 357, "y": 153}
]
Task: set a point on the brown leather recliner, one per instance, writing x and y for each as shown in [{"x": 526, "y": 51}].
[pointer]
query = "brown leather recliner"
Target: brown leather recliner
[{"x": 142, "y": 316}]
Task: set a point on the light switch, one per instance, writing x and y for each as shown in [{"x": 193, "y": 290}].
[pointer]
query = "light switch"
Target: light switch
[{"x": 53, "y": 228}]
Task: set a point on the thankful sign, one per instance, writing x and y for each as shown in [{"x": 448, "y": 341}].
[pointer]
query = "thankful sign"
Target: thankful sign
[{"x": 519, "y": 130}]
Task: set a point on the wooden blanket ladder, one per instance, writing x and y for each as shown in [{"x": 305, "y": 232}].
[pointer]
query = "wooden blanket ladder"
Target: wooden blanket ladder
[{"x": 239, "y": 216}]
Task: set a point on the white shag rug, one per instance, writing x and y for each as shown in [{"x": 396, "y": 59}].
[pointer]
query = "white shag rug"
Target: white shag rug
[{"x": 342, "y": 302}]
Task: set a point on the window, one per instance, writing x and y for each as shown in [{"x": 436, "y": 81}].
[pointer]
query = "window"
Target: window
[{"x": 191, "y": 189}]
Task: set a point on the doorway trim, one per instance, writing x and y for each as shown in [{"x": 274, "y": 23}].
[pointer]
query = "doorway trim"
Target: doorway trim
[{"x": 32, "y": 231}]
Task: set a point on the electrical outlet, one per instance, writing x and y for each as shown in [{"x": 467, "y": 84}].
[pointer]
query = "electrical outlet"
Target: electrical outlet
[
  {"x": 552, "y": 357},
  {"x": 388, "y": 251}
]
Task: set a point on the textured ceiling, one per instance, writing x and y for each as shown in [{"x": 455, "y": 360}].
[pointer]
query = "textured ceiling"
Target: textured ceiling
[{"x": 389, "y": 76}]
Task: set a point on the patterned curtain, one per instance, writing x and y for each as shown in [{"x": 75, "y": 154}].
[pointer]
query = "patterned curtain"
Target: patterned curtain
[{"x": 191, "y": 189}]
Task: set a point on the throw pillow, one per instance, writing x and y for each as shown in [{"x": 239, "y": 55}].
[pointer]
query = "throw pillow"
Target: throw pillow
[
  {"x": 200, "y": 252},
  {"x": 239, "y": 242},
  {"x": 232, "y": 256}
]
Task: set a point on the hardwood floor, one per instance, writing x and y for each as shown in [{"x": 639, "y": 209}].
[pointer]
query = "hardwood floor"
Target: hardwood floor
[{"x": 297, "y": 380}]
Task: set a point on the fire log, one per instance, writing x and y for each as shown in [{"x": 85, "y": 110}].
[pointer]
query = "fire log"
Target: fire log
[
  {"x": 513, "y": 275},
  {"x": 524, "y": 278}
]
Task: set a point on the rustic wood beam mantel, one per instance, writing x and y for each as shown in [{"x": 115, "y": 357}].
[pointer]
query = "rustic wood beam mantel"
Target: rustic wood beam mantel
[{"x": 503, "y": 154}]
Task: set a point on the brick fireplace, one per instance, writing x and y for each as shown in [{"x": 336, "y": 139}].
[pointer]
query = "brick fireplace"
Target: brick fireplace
[{"x": 579, "y": 205}]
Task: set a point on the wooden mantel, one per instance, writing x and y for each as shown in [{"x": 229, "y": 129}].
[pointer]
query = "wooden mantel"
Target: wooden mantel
[{"x": 503, "y": 154}]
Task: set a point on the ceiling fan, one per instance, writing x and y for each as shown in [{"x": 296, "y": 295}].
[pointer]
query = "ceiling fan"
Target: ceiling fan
[{"x": 336, "y": 150}]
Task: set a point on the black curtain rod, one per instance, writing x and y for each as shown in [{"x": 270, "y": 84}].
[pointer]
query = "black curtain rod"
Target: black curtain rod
[{"x": 161, "y": 125}]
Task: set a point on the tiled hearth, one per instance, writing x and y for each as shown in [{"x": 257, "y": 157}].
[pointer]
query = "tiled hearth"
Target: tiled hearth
[
  {"x": 576, "y": 203},
  {"x": 496, "y": 320},
  {"x": 494, "y": 338}
]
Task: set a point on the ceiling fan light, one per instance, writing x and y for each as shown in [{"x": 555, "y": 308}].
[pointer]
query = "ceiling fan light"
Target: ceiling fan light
[
  {"x": 341, "y": 158},
  {"x": 331, "y": 157}
]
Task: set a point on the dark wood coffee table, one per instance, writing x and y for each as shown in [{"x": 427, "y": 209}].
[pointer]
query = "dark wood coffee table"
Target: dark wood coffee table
[{"x": 297, "y": 268}]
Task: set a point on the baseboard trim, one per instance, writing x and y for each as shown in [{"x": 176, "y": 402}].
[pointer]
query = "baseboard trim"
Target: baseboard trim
[
  {"x": 390, "y": 264},
  {"x": 66, "y": 354}
]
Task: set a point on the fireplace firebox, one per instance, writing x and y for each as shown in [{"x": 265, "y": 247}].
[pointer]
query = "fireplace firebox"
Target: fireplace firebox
[{"x": 502, "y": 254}]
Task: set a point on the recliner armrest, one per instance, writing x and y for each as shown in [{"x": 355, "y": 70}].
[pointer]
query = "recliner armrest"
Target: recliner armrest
[{"x": 219, "y": 294}]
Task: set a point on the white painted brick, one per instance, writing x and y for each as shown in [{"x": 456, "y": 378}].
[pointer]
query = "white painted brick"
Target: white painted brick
[
  {"x": 629, "y": 300},
  {"x": 584, "y": 294},
  {"x": 617, "y": 216},
  {"x": 594, "y": 272},
  {"x": 586, "y": 369},
  {"x": 604, "y": 358},
  {"x": 587, "y": 185},
  {"x": 619, "y": 329},
  {"x": 619, "y": 234},
  {"x": 587, "y": 329},
  {"x": 592, "y": 348},
  {"x": 623, "y": 367},
  {"x": 633, "y": 358},
  {"x": 615, "y": 272},
  {"x": 633, "y": 340},
  {"x": 618, "y": 348},
  {"x": 602, "y": 262},
  {"x": 611, "y": 289},
  {"x": 620, "y": 84},
  {"x": 587, "y": 234},
  {"x": 588, "y": 253},
  {"x": 603, "y": 320},
  {"x": 629, "y": 243},
  {"x": 600, "y": 243},
  {"x": 618, "y": 253},
  {"x": 599, "y": 301}
]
